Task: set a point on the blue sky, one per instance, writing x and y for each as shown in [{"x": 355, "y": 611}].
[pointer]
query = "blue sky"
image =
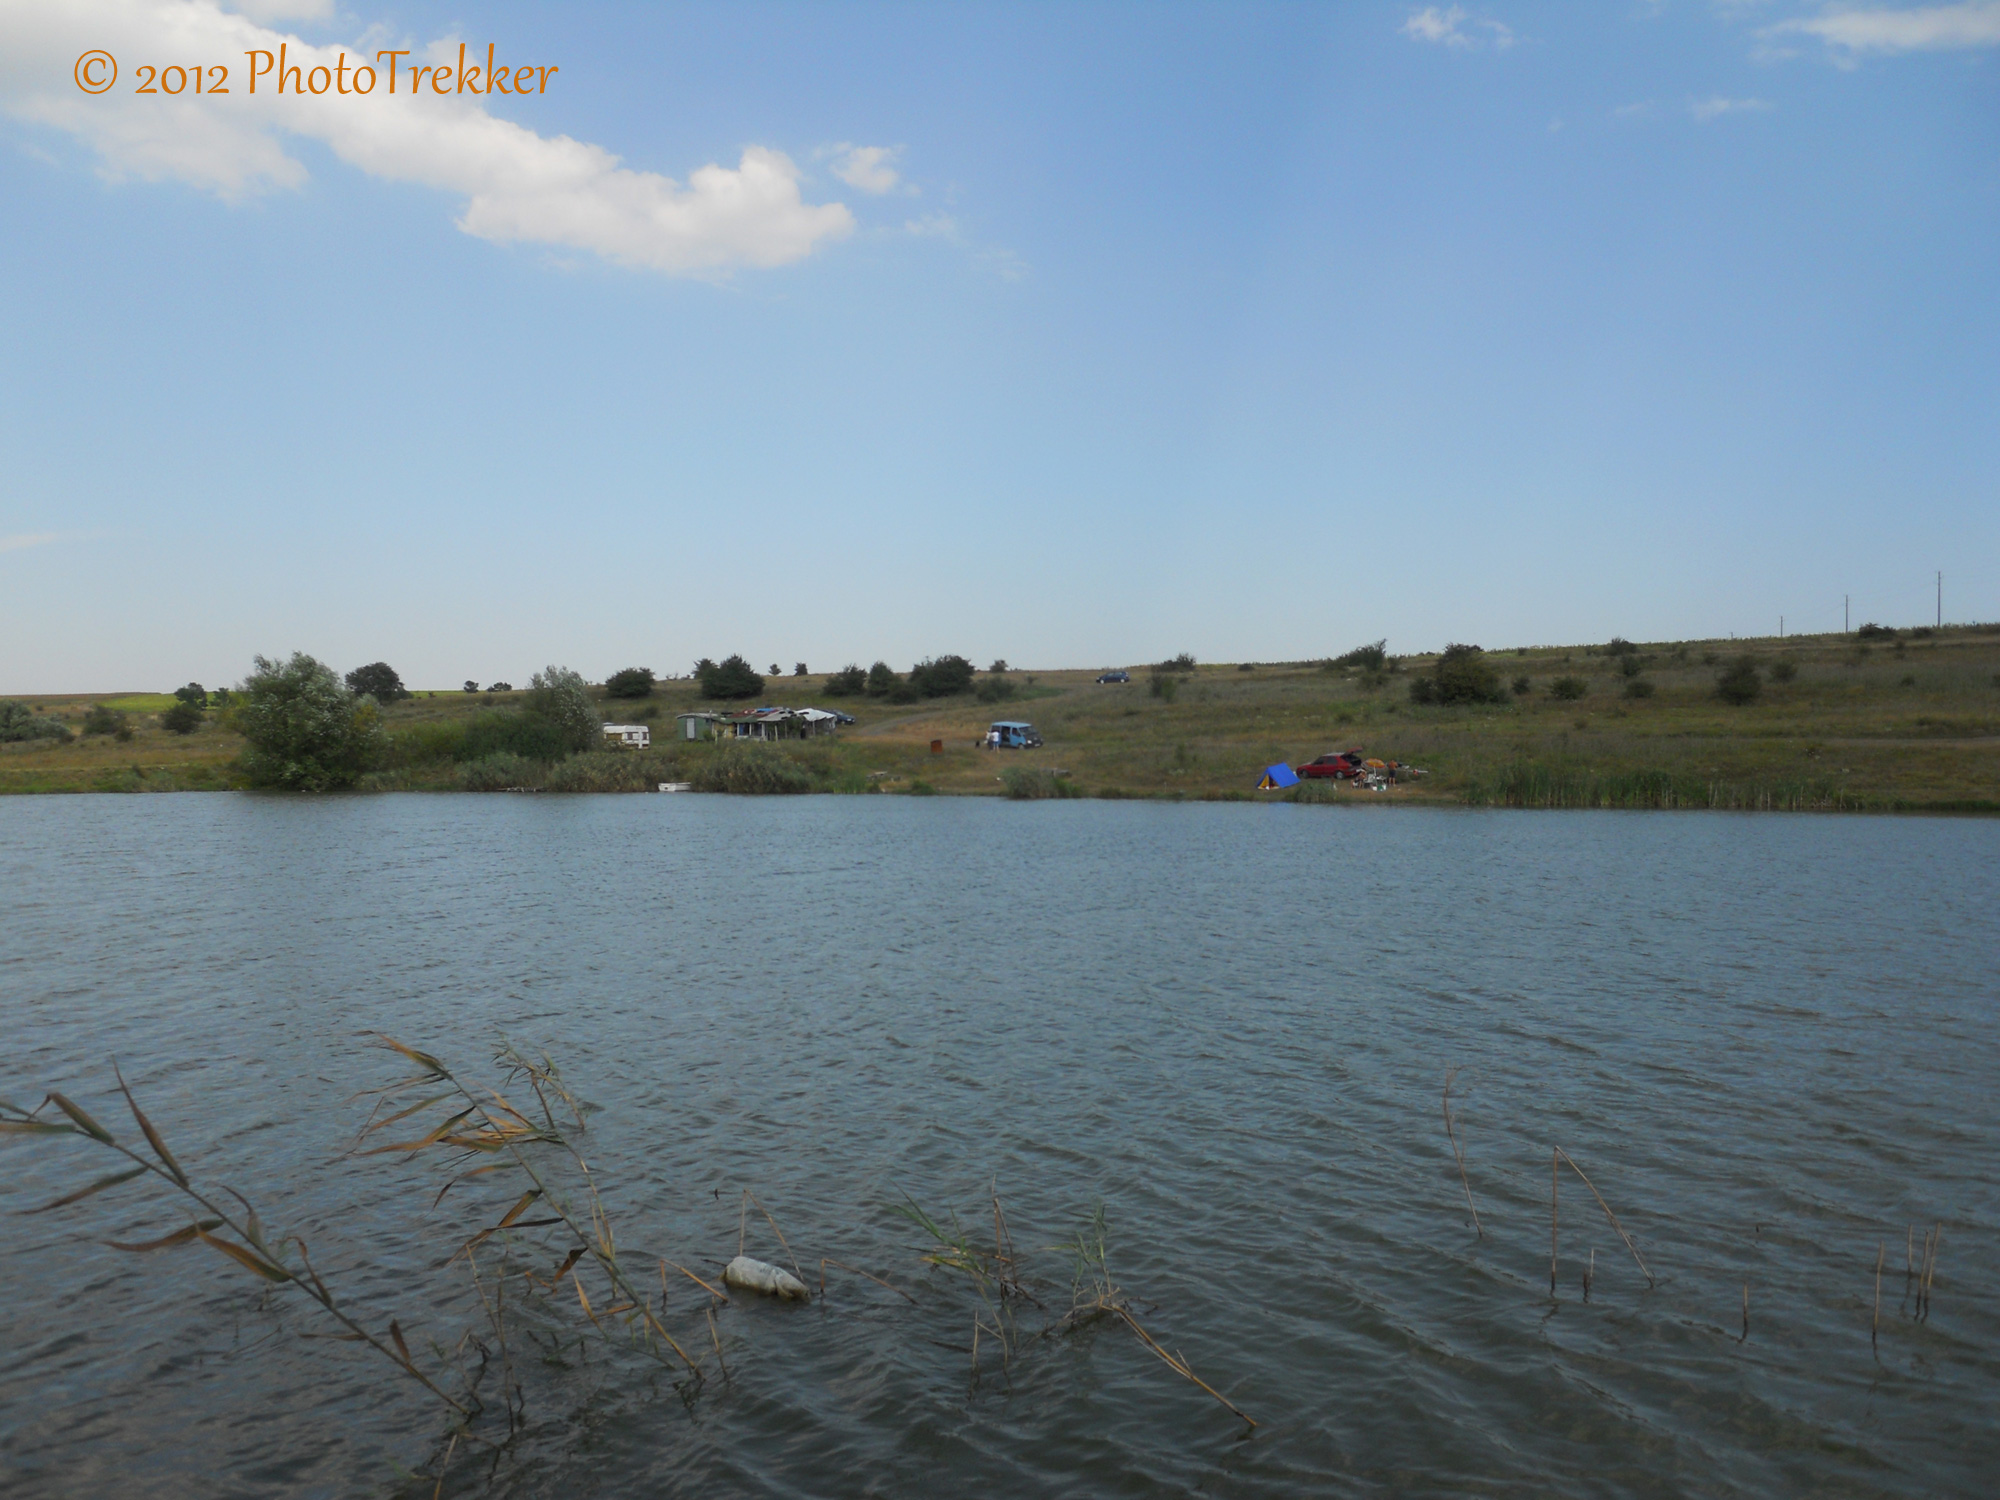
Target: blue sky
[{"x": 1076, "y": 335}]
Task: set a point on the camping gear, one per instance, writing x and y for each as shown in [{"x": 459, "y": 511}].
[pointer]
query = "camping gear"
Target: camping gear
[
  {"x": 749, "y": 1275},
  {"x": 1277, "y": 778}
]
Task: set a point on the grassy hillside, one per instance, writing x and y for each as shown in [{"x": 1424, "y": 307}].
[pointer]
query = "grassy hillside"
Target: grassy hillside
[{"x": 1908, "y": 723}]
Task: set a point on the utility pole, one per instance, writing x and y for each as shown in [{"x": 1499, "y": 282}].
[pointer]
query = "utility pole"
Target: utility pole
[
  {"x": 1940, "y": 618},
  {"x": 1781, "y": 627},
  {"x": 1843, "y": 614}
]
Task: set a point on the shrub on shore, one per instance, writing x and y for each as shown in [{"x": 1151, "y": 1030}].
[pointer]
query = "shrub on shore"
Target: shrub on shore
[
  {"x": 377, "y": 680},
  {"x": 1025, "y": 784},
  {"x": 1739, "y": 682},
  {"x": 850, "y": 681},
  {"x": 611, "y": 771},
  {"x": 183, "y": 718},
  {"x": 104, "y": 719},
  {"x": 733, "y": 677},
  {"x": 427, "y": 744},
  {"x": 1372, "y": 657},
  {"x": 1461, "y": 675},
  {"x": 19, "y": 723},
  {"x": 751, "y": 770},
  {"x": 500, "y": 772},
  {"x": 632, "y": 682},
  {"x": 307, "y": 732},
  {"x": 561, "y": 699},
  {"x": 941, "y": 677},
  {"x": 500, "y": 731}
]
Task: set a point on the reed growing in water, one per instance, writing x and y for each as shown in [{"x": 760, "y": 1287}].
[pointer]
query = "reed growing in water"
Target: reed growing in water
[{"x": 1545, "y": 784}]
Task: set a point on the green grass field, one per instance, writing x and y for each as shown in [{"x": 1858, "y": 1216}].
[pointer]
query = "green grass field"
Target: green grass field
[{"x": 1909, "y": 724}]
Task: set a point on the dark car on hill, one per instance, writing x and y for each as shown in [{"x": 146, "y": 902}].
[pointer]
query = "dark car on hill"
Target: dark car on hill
[
  {"x": 1343, "y": 765},
  {"x": 1115, "y": 677}
]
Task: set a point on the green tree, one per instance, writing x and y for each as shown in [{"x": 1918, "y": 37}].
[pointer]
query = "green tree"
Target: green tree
[
  {"x": 379, "y": 681},
  {"x": 182, "y": 718},
  {"x": 1569, "y": 689},
  {"x": 193, "y": 693},
  {"x": 307, "y": 732},
  {"x": 1739, "y": 682},
  {"x": 1369, "y": 658},
  {"x": 799, "y": 669},
  {"x": 734, "y": 678},
  {"x": 1461, "y": 675},
  {"x": 942, "y": 676},
  {"x": 471, "y": 686},
  {"x": 561, "y": 699},
  {"x": 883, "y": 680},
  {"x": 633, "y": 682},
  {"x": 849, "y": 682}
]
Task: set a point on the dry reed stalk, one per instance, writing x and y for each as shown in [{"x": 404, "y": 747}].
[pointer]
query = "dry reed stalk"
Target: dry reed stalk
[
  {"x": 1746, "y": 1313},
  {"x": 1589, "y": 1273},
  {"x": 1179, "y": 1365},
  {"x": 250, "y": 1249},
  {"x": 716, "y": 1337},
  {"x": 1464, "y": 1181},
  {"x": 1930, "y": 1273},
  {"x": 719, "y": 1296},
  {"x": 1620, "y": 1228},
  {"x": 491, "y": 1125},
  {"x": 743, "y": 1219},
  {"x": 1875, "y": 1331},
  {"x": 450, "y": 1449},
  {"x": 1555, "y": 1159}
]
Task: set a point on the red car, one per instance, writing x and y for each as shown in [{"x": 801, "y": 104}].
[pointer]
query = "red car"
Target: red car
[{"x": 1345, "y": 766}]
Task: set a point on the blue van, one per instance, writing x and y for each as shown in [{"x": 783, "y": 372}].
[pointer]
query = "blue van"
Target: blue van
[{"x": 1012, "y": 734}]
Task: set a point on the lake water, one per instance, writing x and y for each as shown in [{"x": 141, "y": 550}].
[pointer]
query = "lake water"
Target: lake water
[{"x": 1769, "y": 1040}]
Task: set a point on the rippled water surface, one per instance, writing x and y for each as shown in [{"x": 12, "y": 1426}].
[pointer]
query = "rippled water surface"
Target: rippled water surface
[{"x": 1770, "y": 1041}]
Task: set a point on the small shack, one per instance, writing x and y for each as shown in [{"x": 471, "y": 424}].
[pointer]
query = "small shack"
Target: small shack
[
  {"x": 637, "y": 736},
  {"x": 777, "y": 723},
  {"x": 698, "y": 726}
]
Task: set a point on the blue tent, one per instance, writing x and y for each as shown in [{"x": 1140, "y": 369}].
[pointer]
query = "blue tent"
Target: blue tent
[{"x": 1277, "y": 778}]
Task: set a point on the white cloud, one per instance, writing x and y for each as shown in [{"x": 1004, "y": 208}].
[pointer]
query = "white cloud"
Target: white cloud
[
  {"x": 1630, "y": 111},
  {"x": 1715, "y": 107},
  {"x": 517, "y": 185},
  {"x": 866, "y": 168},
  {"x": 1923, "y": 28},
  {"x": 24, "y": 540},
  {"x": 1447, "y": 26},
  {"x": 1001, "y": 261},
  {"x": 268, "y": 11}
]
